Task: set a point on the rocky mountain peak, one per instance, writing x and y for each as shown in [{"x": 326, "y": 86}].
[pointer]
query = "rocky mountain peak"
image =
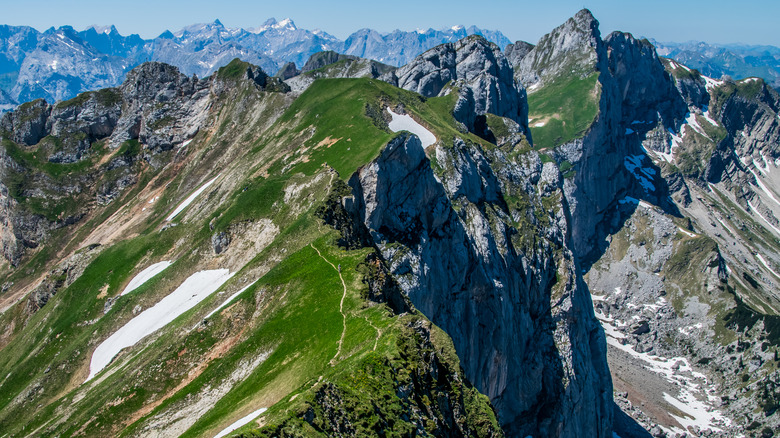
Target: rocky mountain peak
[
  {"x": 571, "y": 48},
  {"x": 271, "y": 24},
  {"x": 151, "y": 77},
  {"x": 102, "y": 29},
  {"x": 321, "y": 59},
  {"x": 516, "y": 52},
  {"x": 477, "y": 68}
]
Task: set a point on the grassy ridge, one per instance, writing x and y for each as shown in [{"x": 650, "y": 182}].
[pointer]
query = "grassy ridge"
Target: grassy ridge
[{"x": 291, "y": 313}]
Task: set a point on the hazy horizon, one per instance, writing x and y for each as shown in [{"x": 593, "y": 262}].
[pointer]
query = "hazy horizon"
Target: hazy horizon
[{"x": 714, "y": 21}]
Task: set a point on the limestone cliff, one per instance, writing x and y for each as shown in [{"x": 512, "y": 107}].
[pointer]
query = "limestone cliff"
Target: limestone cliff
[
  {"x": 508, "y": 294},
  {"x": 480, "y": 73}
]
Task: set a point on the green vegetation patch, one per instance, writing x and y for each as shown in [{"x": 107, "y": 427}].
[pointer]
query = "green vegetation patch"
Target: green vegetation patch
[
  {"x": 105, "y": 97},
  {"x": 51, "y": 347},
  {"x": 334, "y": 122},
  {"x": 236, "y": 69},
  {"x": 563, "y": 110},
  {"x": 678, "y": 71},
  {"x": 412, "y": 386},
  {"x": 744, "y": 317}
]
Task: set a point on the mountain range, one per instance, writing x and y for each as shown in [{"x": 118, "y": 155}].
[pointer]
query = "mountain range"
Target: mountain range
[
  {"x": 60, "y": 63},
  {"x": 578, "y": 237},
  {"x": 739, "y": 61}
]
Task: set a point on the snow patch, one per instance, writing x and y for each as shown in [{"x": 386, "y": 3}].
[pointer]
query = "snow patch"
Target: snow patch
[
  {"x": 687, "y": 331},
  {"x": 630, "y": 200},
  {"x": 696, "y": 412},
  {"x": 758, "y": 181},
  {"x": 657, "y": 305},
  {"x": 645, "y": 174},
  {"x": 766, "y": 265},
  {"x": 240, "y": 422},
  {"x": 191, "y": 198},
  {"x": 765, "y": 168},
  {"x": 676, "y": 370},
  {"x": 229, "y": 300},
  {"x": 690, "y": 120},
  {"x": 711, "y": 83},
  {"x": 725, "y": 227},
  {"x": 191, "y": 292},
  {"x": 706, "y": 115},
  {"x": 686, "y": 232},
  {"x": 762, "y": 217},
  {"x": 145, "y": 275},
  {"x": 407, "y": 123}
]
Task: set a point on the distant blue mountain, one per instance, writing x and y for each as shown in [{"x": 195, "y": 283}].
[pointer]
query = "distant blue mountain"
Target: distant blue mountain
[
  {"x": 60, "y": 63},
  {"x": 736, "y": 60}
]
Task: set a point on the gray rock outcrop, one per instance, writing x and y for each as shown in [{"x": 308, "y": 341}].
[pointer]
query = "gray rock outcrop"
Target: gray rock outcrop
[
  {"x": 27, "y": 125},
  {"x": 516, "y": 52},
  {"x": 571, "y": 48},
  {"x": 478, "y": 71},
  {"x": 288, "y": 71}
]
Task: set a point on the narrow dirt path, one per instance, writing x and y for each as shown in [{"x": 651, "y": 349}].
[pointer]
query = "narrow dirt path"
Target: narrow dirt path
[
  {"x": 341, "y": 305},
  {"x": 378, "y": 332}
]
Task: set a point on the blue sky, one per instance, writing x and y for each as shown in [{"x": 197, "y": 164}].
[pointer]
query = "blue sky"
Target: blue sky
[{"x": 717, "y": 21}]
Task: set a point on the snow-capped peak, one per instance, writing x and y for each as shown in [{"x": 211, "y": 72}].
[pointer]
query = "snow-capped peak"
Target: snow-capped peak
[
  {"x": 457, "y": 27},
  {"x": 102, "y": 29},
  {"x": 271, "y": 23},
  {"x": 286, "y": 23}
]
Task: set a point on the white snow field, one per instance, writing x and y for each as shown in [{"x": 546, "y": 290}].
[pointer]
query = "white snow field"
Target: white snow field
[
  {"x": 191, "y": 198},
  {"x": 145, "y": 275},
  {"x": 229, "y": 300},
  {"x": 240, "y": 423},
  {"x": 407, "y": 123},
  {"x": 191, "y": 292}
]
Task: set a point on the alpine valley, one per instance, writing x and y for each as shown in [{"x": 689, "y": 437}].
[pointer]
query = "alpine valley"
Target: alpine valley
[{"x": 413, "y": 234}]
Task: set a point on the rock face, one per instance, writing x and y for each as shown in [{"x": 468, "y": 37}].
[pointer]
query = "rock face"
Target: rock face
[
  {"x": 335, "y": 65},
  {"x": 670, "y": 187},
  {"x": 288, "y": 71},
  {"x": 519, "y": 315},
  {"x": 163, "y": 107},
  {"x": 480, "y": 72},
  {"x": 321, "y": 59},
  {"x": 635, "y": 94},
  {"x": 572, "y": 46},
  {"x": 516, "y": 52},
  {"x": 28, "y": 123}
]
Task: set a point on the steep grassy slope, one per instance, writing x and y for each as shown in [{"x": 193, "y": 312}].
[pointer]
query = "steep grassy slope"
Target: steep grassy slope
[
  {"x": 302, "y": 324},
  {"x": 563, "y": 109}
]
